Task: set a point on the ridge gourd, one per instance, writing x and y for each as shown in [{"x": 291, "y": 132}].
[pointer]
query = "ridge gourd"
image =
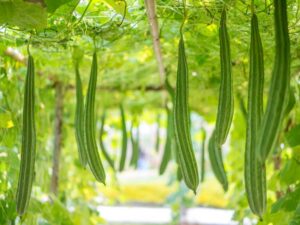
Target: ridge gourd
[
  {"x": 135, "y": 147},
  {"x": 93, "y": 157},
  {"x": 202, "y": 160},
  {"x": 255, "y": 174},
  {"x": 28, "y": 148},
  {"x": 168, "y": 145},
  {"x": 124, "y": 140},
  {"x": 226, "y": 104},
  {"x": 102, "y": 146},
  {"x": 280, "y": 82},
  {"x": 79, "y": 120},
  {"x": 225, "y": 107},
  {"x": 216, "y": 161},
  {"x": 184, "y": 148}
]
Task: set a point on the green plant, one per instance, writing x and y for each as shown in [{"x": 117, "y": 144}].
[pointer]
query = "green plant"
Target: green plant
[
  {"x": 225, "y": 104},
  {"x": 157, "y": 141},
  {"x": 255, "y": 173},
  {"x": 280, "y": 82},
  {"x": 168, "y": 145},
  {"x": 124, "y": 139},
  {"x": 28, "y": 149},
  {"x": 102, "y": 146},
  {"x": 93, "y": 156},
  {"x": 216, "y": 161},
  {"x": 184, "y": 148},
  {"x": 202, "y": 155},
  {"x": 135, "y": 146},
  {"x": 79, "y": 120}
]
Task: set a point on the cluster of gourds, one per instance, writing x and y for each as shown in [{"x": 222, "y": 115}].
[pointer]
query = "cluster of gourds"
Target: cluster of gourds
[
  {"x": 84, "y": 133},
  {"x": 85, "y": 130},
  {"x": 262, "y": 127}
]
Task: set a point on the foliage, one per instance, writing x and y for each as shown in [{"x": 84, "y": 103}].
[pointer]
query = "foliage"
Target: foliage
[{"x": 127, "y": 73}]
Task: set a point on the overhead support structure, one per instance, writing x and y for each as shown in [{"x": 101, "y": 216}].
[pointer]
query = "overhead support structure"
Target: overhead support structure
[{"x": 151, "y": 13}]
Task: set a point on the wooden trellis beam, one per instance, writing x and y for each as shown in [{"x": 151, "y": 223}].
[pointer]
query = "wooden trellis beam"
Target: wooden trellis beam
[{"x": 151, "y": 13}]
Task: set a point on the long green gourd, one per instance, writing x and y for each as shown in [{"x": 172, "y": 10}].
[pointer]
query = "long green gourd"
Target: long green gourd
[
  {"x": 101, "y": 142},
  {"x": 280, "y": 81},
  {"x": 179, "y": 174},
  {"x": 93, "y": 157},
  {"x": 225, "y": 107},
  {"x": 255, "y": 173},
  {"x": 135, "y": 147},
  {"x": 216, "y": 161},
  {"x": 185, "y": 150},
  {"x": 79, "y": 120},
  {"x": 168, "y": 145},
  {"x": 124, "y": 140},
  {"x": 157, "y": 142},
  {"x": 290, "y": 103},
  {"x": 242, "y": 107},
  {"x": 202, "y": 172},
  {"x": 175, "y": 153},
  {"x": 28, "y": 147},
  {"x": 170, "y": 90}
]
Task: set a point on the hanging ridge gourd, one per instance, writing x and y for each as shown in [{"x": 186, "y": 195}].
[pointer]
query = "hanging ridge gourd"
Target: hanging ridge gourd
[
  {"x": 28, "y": 148},
  {"x": 93, "y": 157},
  {"x": 186, "y": 156},
  {"x": 79, "y": 120},
  {"x": 168, "y": 145},
  {"x": 102, "y": 146},
  {"x": 290, "y": 103},
  {"x": 124, "y": 140},
  {"x": 157, "y": 142},
  {"x": 242, "y": 106},
  {"x": 202, "y": 160},
  {"x": 226, "y": 104},
  {"x": 255, "y": 174},
  {"x": 179, "y": 174},
  {"x": 216, "y": 161},
  {"x": 178, "y": 171},
  {"x": 280, "y": 81},
  {"x": 135, "y": 147},
  {"x": 170, "y": 90},
  {"x": 173, "y": 147}
]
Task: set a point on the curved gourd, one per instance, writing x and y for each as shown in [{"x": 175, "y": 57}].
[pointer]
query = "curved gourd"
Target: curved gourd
[
  {"x": 280, "y": 82},
  {"x": 186, "y": 156},
  {"x": 93, "y": 157},
  {"x": 28, "y": 148},
  {"x": 255, "y": 174}
]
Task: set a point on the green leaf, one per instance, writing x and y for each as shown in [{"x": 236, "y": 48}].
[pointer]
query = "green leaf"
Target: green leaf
[
  {"x": 52, "y": 5},
  {"x": 296, "y": 217},
  {"x": 290, "y": 103},
  {"x": 23, "y": 14},
  {"x": 292, "y": 137},
  {"x": 273, "y": 218},
  {"x": 290, "y": 174},
  {"x": 118, "y": 6},
  {"x": 287, "y": 203}
]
